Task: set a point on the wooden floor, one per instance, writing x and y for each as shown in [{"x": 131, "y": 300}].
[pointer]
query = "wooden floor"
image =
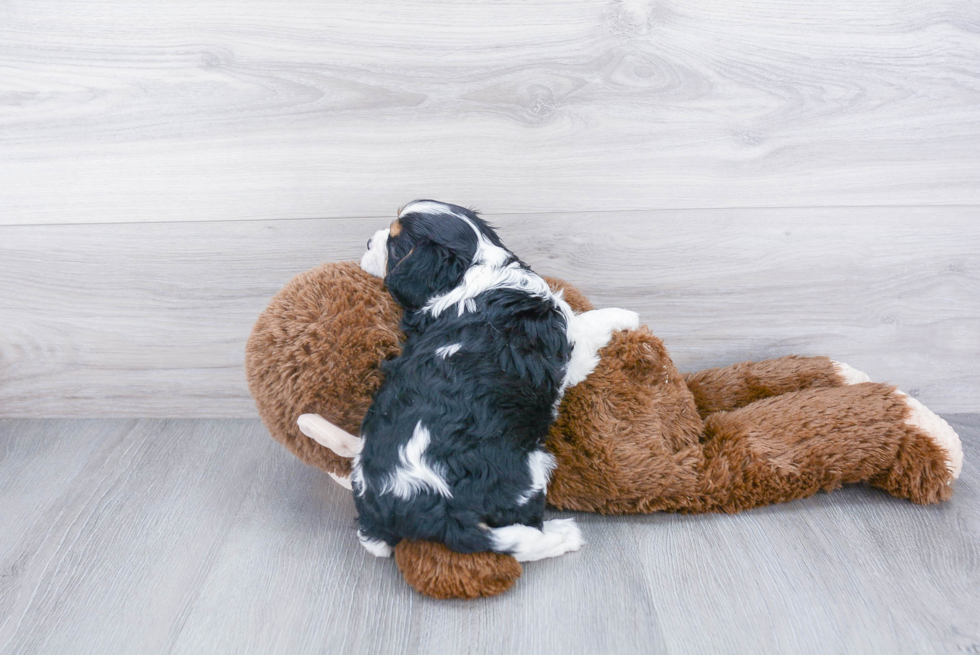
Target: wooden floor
[{"x": 204, "y": 536}]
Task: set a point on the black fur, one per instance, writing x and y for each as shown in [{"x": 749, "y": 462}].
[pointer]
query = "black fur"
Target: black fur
[{"x": 486, "y": 407}]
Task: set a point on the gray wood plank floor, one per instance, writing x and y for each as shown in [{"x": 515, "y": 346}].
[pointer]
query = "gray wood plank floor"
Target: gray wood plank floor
[
  {"x": 204, "y": 536},
  {"x": 151, "y": 319},
  {"x": 118, "y": 110}
]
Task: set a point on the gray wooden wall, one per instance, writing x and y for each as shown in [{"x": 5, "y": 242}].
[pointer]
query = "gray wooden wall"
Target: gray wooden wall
[{"x": 756, "y": 179}]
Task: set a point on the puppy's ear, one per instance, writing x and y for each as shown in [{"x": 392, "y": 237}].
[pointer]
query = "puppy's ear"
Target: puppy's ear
[{"x": 428, "y": 270}]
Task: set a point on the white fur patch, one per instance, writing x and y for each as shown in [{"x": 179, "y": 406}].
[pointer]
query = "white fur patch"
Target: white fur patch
[
  {"x": 938, "y": 430},
  {"x": 427, "y": 207},
  {"x": 480, "y": 278},
  {"x": 448, "y": 351},
  {"x": 540, "y": 464},
  {"x": 376, "y": 547},
  {"x": 528, "y": 544},
  {"x": 589, "y": 333},
  {"x": 414, "y": 473},
  {"x": 375, "y": 260},
  {"x": 487, "y": 253},
  {"x": 849, "y": 374},
  {"x": 357, "y": 475}
]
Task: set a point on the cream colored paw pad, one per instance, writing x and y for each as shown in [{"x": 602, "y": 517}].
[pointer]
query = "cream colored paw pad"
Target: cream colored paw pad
[
  {"x": 938, "y": 430},
  {"x": 849, "y": 374},
  {"x": 342, "y": 480},
  {"x": 329, "y": 435}
]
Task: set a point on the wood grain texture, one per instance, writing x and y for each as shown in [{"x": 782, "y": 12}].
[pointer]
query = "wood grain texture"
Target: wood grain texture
[
  {"x": 205, "y": 536},
  {"x": 151, "y": 319},
  {"x": 130, "y": 111}
]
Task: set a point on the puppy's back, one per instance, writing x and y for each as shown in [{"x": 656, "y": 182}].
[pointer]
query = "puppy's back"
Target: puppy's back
[{"x": 449, "y": 442}]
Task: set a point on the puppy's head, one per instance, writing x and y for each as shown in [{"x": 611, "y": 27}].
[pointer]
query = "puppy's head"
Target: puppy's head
[{"x": 428, "y": 249}]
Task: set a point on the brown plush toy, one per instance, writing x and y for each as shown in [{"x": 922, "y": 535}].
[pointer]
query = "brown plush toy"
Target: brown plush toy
[{"x": 636, "y": 436}]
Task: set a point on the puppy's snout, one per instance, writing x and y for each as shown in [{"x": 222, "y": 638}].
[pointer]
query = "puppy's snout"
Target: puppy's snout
[{"x": 375, "y": 258}]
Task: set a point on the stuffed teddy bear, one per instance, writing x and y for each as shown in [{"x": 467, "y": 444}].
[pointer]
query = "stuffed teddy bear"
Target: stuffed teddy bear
[{"x": 636, "y": 436}]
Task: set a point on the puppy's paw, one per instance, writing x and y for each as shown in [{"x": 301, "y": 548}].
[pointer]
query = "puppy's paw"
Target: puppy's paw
[
  {"x": 568, "y": 537},
  {"x": 528, "y": 544},
  {"x": 376, "y": 547},
  {"x": 849, "y": 374}
]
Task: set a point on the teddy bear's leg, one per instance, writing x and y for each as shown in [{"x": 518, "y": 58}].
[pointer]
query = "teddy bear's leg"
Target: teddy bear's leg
[
  {"x": 731, "y": 387},
  {"x": 902, "y": 479},
  {"x": 796, "y": 444}
]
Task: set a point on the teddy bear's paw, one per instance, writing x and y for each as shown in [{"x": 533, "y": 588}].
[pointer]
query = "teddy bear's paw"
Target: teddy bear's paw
[
  {"x": 615, "y": 318},
  {"x": 328, "y": 435},
  {"x": 849, "y": 374},
  {"x": 342, "y": 480},
  {"x": 589, "y": 333},
  {"x": 938, "y": 430}
]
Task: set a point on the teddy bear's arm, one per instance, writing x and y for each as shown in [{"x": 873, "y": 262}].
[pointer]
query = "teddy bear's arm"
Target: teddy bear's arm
[
  {"x": 330, "y": 436},
  {"x": 589, "y": 333}
]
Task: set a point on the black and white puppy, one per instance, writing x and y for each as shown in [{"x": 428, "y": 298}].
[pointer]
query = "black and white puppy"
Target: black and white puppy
[{"x": 452, "y": 448}]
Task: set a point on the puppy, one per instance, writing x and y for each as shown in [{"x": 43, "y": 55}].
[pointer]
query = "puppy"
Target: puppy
[{"x": 452, "y": 448}]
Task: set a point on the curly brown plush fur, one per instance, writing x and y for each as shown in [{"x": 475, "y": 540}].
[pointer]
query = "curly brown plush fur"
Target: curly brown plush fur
[
  {"x": 725, "y": 389},
  {"x": 317, "y": 349},
  {"x": 434, "y": 570},
  {"x": 636, "y": 436}
]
